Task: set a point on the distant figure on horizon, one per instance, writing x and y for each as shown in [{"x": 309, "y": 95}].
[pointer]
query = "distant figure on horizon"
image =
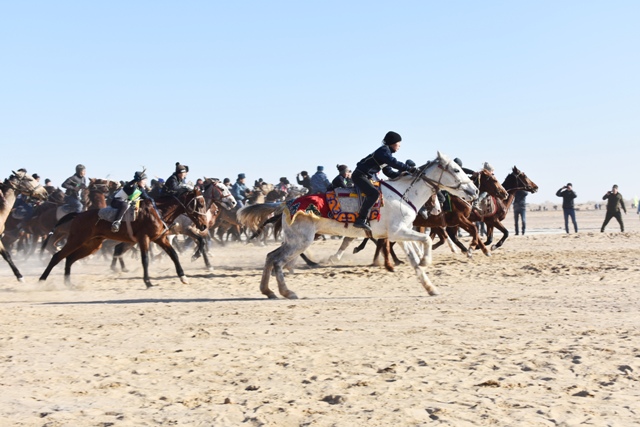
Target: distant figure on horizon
[
  {"x": 615, "y": 201},
  {"x": 568, "y": 195},
  {"x": 520, "y": 209}
]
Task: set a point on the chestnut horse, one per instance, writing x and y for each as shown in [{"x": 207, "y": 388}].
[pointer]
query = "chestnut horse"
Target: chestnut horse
[
  {"x": 88, "y": 231},
  {"x": 17, "y": 183}
]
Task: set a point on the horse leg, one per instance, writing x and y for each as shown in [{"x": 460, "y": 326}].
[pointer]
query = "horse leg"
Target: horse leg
[
  {"x": 415, "y": 263},
  {"x": 361, "y": 246},
  {"x": 505, "y": 234},
  {"x": 164, "y": 244},
  {"x": 343, "y": 247},
  {"x": 118, "y": 251},
  {"x": 91, "y": 246},
  {"x": 381, "y": 245},
  {"x": 297, "y": 239},
  {"x": 7, "y": 257}
]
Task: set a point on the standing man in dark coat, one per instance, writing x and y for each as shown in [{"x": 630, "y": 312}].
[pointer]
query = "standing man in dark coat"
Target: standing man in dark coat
[
  {"x": 568, "y": 195},
  {"x": 615, "y": 201}
]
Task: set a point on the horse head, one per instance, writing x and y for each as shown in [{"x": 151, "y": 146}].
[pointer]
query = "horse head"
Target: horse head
[
  {"x": 195, "y": 207},
  {"x": 25, "y": 184},
  {"x": 222, "y": 195},
  {"x": 447, "y": 175},
  {"x": 488, "y": 183},
  {"x": 518, "y": 180}
]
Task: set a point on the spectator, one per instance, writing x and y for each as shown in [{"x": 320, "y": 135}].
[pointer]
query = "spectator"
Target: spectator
[
  {"x": 615, "y": 201},
  {"x": 343, "y": 180},
  {"x": 305, "y": 181},
  {"x": 568, "y": 195},
  {"x": 239, "y": 190},
  {"x": 520, "y": 209}
]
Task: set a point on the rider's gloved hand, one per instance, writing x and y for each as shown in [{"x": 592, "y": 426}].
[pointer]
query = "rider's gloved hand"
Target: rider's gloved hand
[{"x": 413, "y": 169}]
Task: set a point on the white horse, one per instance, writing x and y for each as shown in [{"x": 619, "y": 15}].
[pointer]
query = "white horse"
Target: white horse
[{"x": 402, "y": 199}]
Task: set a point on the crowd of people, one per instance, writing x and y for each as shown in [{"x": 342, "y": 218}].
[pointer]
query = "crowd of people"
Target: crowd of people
[{"x": 362, "y": 178}]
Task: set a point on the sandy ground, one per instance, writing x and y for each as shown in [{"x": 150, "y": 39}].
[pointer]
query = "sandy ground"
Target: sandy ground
[{"x": 546, "y": 332}]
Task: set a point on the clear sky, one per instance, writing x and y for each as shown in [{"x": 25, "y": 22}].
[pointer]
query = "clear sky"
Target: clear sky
[{"x": 270, "y": 88}]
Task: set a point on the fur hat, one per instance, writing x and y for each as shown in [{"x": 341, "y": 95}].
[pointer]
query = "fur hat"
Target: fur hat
[
  {"x": 487, "y": 166},
  {"x": 391, "y": 138},
  {"x": 226, "y": 180},
  {"x": 241, "y": 176},
  {"x": 139, "y": 176},
  {"x": 457, "y": 161},
  {"x": 320, "y": 168},
  {"x": 181, "y": 168},
  {"x": 35, "y": 176},
  {"x": 284, "y": 180}
]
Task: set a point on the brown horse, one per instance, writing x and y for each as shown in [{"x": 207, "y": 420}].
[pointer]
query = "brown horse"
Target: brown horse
[
  {"x": 17, "y": 183},
  {"x": 516, "y": 180},
  {"x": 88, "y": 231},
  {"x": 94, "y": 197},
  {"x": 218, "y": 198}
]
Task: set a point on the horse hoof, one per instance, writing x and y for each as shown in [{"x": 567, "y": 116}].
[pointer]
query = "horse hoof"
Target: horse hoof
[
  {"x": 184, "y": 280},
  {"x": 434, "y": 293},
  {"x": 292, "y": 295},
  {"x": 494, "y": 247},
  {"x": 272, "y": 296},
  {"x": 21, "y": 279},
  {"x": 210, "y": 268},
  {"x": 488, "y": 253}
]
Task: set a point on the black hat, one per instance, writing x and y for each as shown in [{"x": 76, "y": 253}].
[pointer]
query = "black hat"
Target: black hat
[
  {"x": 181, "y": 168},
  {"x": 457, "y": 161},
  {"x": 391, "y": 138},
  {"x": 36, "y": 176},
  {"x": 342, "y": 168},
  {"x": 226, "y": 180},
  {"x": 284, "y": 180},
  {"x": 241, "y": 176},
  {"x": 569, "y": 185},
  {"x": 139, "y": 176}
]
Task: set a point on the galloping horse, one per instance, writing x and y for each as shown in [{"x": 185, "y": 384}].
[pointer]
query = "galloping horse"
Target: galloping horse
[
  {"x": 516, "y": 180},
  {"x": 17, "y": 183},
  {"x": 401, "y": 196},
  {"x": 88, "y": 231},
  {"x": 217, "y": 198}
]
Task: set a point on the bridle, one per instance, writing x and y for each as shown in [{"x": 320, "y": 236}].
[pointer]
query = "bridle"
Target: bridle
[
  {"x": 19, "y": 187},
  {"x": 519, "y": 180},
  {"x": 194, "y": 201}
]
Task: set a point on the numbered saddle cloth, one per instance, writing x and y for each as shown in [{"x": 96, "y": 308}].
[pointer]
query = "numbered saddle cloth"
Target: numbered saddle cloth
[{"x": 344, "y": 204}]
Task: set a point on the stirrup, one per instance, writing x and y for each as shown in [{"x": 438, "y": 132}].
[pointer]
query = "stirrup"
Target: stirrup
[{"x": 115, "y": 226}]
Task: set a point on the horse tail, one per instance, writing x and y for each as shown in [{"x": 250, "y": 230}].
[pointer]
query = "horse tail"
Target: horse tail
[
  {"x": 63, "y": 220},
  {"x": 253, "y": 216},
  {"x": 276, "y": 220}
]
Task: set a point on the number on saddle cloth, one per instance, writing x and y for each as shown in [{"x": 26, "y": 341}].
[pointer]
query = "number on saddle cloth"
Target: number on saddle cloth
[{"x": 344, "y": 204}]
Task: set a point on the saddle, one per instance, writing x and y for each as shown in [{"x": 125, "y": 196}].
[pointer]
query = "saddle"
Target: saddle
[
  {"x": 344, "y": 204},
  {"x": 488, "y": 206},
  {"x": 109, "y": 214}
]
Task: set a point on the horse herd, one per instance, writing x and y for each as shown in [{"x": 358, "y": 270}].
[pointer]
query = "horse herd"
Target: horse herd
[{"x": 197, "y": 213}]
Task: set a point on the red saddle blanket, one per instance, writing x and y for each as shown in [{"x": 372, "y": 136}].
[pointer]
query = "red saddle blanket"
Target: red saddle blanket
[{"x": 341, "y": 204}]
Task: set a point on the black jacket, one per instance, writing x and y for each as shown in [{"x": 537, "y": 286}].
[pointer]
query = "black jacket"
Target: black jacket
[
  {"x": 381, "y": 159},
  {"x": 567, "y": 198}
]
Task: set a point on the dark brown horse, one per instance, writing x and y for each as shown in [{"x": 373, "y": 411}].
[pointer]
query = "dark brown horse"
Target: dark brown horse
[
  {"x": 88, "y": 231},
  {"x": 516, "y": 180},
  {"x": 17, "y": 183}
]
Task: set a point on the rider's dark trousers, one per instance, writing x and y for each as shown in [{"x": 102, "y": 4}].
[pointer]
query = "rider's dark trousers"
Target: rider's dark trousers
[{"x": 364, "y": 184}]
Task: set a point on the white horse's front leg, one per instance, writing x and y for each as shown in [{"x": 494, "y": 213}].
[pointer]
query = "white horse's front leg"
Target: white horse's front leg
[{"x": 415, "y": 262}]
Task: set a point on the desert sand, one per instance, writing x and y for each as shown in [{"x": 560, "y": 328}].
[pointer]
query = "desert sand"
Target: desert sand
[{"x": 546, "y": 332}]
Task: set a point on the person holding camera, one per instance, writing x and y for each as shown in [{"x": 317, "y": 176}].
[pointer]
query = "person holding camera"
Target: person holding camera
[
  {"x": 568, "y": 195},
  {"x": 615, "y": 201},
  {"x": 305, "y": 181}
]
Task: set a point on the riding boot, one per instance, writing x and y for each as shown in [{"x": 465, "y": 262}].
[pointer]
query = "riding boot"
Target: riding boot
[
  {"x": 362, "y": 222},
  {"x": 115, "y": 225}
]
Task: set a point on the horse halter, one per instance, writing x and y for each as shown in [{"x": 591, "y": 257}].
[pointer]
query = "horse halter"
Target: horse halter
[
  {"x": 525, "y": 186},
  {"x": 20, "y": 186},
  {"x": 193, "y": 201}
]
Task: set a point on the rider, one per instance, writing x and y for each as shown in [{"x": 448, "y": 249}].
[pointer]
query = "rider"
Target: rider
[
  {"x": 127, "y": 196},
  {"x": 368, "y": 168},
  {"x": 239, "y": 190},
  {"x": 176, "y": 181},
  {"x": 343, "y": 179},
  {"x": 74, "y": 184}
]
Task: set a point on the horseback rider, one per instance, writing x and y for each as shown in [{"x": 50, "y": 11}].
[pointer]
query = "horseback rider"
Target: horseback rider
[
  {"x": 368, "y": 168},
  {"x": 343, "y": 179},
  {"x": 176, "y": 181},
  {"x": 127, "y": 196},
  {"x": 74, "y": 184},
  {"x": 239, "y": 190}
]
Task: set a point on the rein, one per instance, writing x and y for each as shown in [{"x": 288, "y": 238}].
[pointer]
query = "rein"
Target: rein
[{"x": 402, "y": 196}]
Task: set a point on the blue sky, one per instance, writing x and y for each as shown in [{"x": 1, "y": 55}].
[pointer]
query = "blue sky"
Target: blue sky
[{"x": 273, "y": 88}]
